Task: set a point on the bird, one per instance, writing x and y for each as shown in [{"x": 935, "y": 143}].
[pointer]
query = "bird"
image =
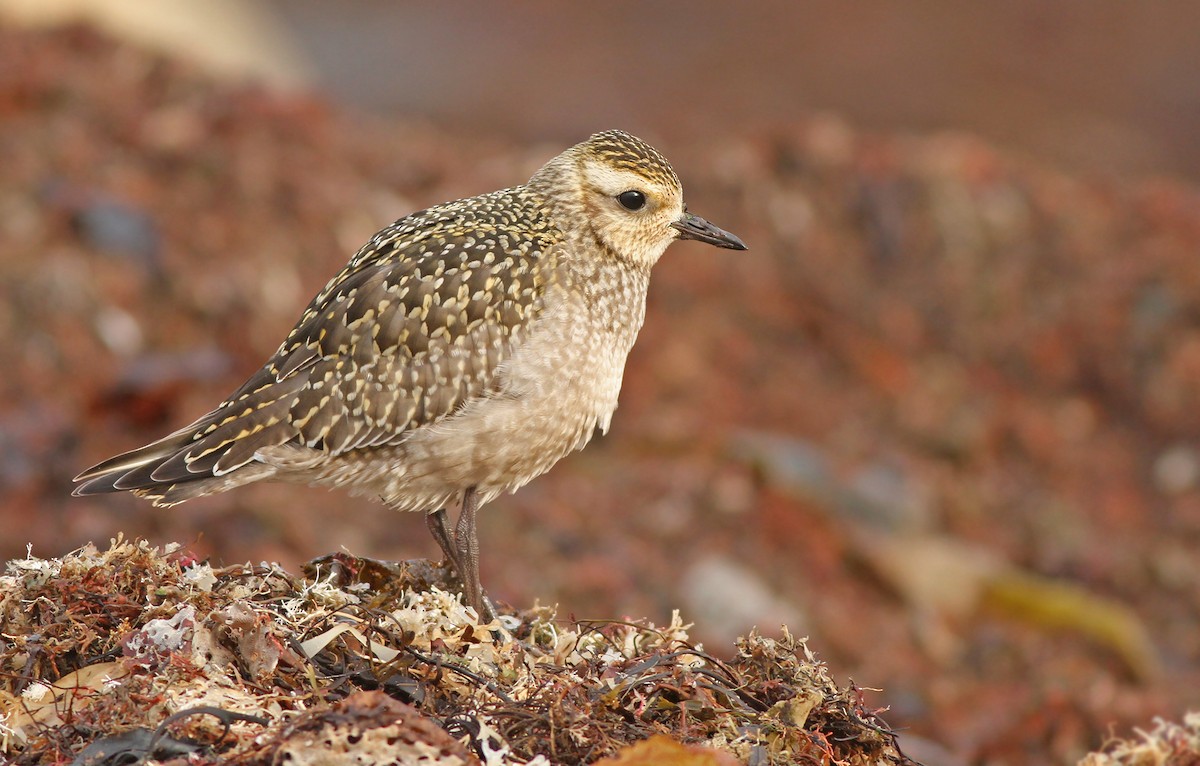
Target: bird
[{"x": 460, "y": 353}]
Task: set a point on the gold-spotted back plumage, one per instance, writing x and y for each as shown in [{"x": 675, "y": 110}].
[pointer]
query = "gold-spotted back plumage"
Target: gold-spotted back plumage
[{"x": 460, "y": 353}]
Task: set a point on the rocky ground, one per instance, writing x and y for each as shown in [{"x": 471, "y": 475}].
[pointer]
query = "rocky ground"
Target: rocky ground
[{"x": 940, "y": 418}]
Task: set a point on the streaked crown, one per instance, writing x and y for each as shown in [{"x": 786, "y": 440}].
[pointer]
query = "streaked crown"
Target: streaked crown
[{"x": 622, "y": 151}]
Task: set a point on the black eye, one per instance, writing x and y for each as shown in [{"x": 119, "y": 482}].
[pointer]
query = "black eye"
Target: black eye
[{"x": 632, "y": 199}]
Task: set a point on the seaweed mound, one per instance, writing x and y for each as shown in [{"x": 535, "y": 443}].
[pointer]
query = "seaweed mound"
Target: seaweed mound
[{"x": 136, "y": 652}]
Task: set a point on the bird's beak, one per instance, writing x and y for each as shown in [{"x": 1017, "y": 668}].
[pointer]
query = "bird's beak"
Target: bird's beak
[{"x": 694, "y": 227}]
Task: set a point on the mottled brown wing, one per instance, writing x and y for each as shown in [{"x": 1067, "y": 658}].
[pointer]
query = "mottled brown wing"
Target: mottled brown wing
[{"x": 411, "y": 329}]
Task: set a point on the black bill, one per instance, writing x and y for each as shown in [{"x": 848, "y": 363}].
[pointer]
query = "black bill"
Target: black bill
[{"x": 695, "y": 227}]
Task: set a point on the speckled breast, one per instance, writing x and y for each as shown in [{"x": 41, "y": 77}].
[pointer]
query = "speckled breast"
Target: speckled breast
[{"x": 557, "y": 388}]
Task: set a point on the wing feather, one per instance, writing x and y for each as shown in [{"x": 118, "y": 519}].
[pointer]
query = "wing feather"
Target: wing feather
[{"x": 416, "y": 324}]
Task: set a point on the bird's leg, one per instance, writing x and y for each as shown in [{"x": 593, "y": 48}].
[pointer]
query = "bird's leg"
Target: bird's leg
[
  {"x": 436, "y": 521},
  {"x": 467, "y": 543}
]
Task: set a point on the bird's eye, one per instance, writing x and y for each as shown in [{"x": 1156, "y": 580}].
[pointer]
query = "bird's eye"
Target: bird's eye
[{"x": 632, "y": 199}]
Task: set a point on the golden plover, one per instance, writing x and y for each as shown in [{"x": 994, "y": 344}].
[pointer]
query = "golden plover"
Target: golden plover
[{"x": 460, "y": 353}]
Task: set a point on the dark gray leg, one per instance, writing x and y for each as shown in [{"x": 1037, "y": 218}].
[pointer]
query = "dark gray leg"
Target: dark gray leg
[
  {"x": 466, "y": 543},
  {"x": 462, "y": 552},
  {"x": 437, "y": 527}
]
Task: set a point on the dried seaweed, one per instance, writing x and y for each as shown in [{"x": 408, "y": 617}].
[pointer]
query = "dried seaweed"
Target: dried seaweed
[{"x": 369, "y": 660}]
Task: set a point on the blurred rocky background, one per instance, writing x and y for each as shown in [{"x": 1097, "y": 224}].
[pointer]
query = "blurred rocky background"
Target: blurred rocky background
[{"x": 942, "y": 417}]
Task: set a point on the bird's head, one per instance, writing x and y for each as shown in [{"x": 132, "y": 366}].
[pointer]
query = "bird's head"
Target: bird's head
[{"x": 629, "y": 196}]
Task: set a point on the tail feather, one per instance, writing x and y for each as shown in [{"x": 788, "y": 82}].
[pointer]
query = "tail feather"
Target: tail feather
[
  {"x": 215, "y": 453},
  {"x": 173, "y": 494},
  {"x": 132, "y": 469}
]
